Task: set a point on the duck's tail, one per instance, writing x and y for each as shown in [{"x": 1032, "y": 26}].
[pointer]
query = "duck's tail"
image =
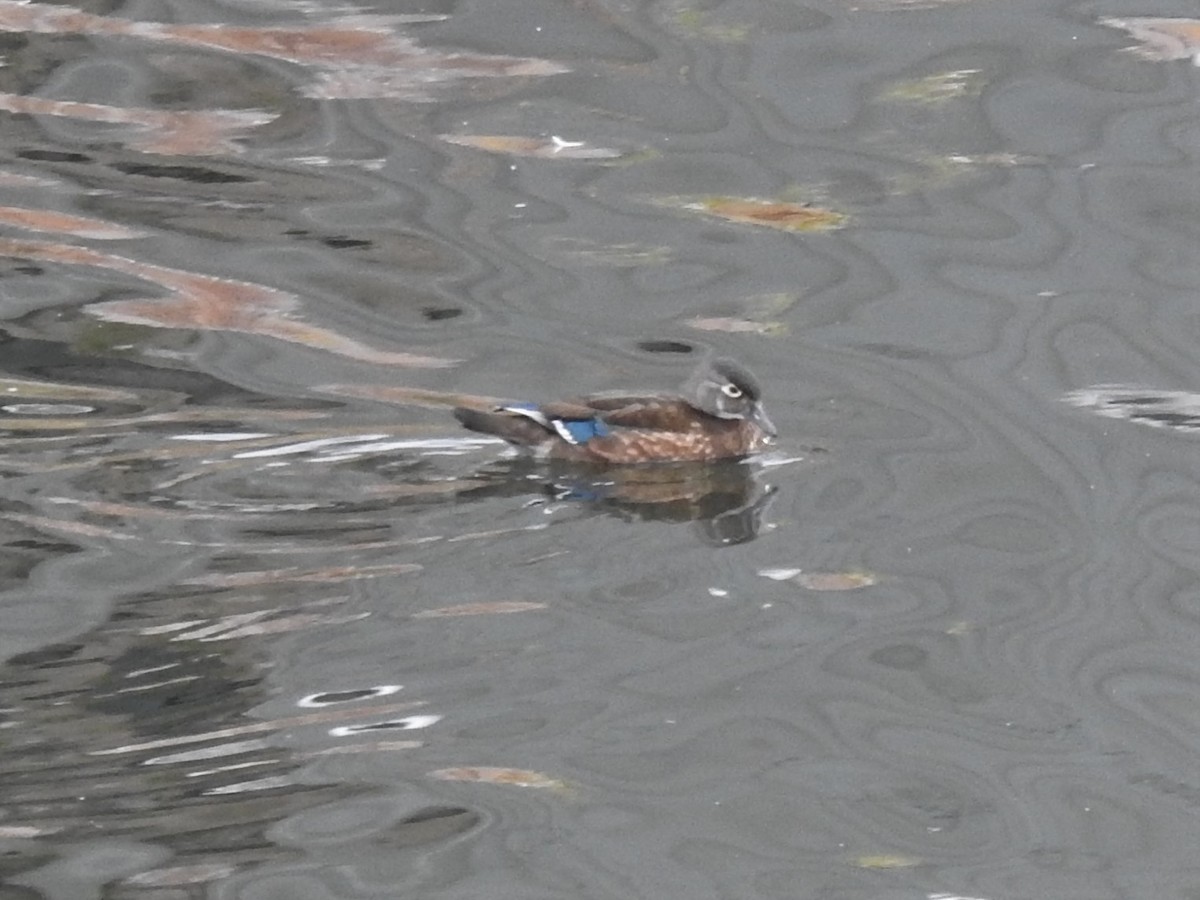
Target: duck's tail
[{"x": 516, "y": 429}]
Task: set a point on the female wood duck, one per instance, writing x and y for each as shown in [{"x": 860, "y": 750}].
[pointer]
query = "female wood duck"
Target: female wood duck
[{"x": 717, "y": 415}]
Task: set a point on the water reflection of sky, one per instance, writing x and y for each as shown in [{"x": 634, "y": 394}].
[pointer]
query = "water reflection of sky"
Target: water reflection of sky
[{"x": 272, "y": 624}]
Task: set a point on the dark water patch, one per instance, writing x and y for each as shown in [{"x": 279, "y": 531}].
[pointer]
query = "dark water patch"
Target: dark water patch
[
  {"x": 661, "y": 346},
  {"x": 193, "y": 174},
  {"x": 58, "y": 156}
]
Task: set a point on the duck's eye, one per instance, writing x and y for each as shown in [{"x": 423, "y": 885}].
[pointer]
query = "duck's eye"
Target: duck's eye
[{"x": 731, "y": 390}]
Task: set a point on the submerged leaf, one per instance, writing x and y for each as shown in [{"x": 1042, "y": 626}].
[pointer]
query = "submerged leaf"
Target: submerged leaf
[
  {"x": 769, "y": 213},
  {"x": 552, "y": 147},
  {"x": 936, "y": 88},
  {"x": 478, "y": 609},
  {"x": 492, "y": 775}
]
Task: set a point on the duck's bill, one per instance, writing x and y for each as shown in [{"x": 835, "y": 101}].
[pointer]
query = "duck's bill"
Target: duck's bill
[{"x": 761, "y": 419}]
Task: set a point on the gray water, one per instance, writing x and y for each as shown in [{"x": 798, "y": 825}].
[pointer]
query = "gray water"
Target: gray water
[{"x": 274, "y": 627}]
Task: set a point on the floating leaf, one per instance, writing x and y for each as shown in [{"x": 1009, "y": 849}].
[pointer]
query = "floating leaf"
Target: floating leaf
[
  {"x": 552, "y": 147},
  {"x": 490, "y": 775},
  {"x": 209, "y": 303},
  {"x": 1162, "y": 39},
  {"x": 734, "y": 325},
  {"x": 769, "y": 213},
  {"x": 821, "y": 581},
  {"x": 887, "y": 861},
  {"x": 180, "y": 132},
  {"x": 356, "y": 55},
  {"x": 478, "y": 609},
  {"x": 835, "y": 581},
  {"x": 62, "y": 223}
]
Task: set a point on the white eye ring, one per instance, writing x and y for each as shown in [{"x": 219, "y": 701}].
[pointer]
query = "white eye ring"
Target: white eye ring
[{"x": 731, "y": 390}]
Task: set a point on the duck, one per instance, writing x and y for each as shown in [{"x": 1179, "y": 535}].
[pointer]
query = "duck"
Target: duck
[{"x": 717, "y": 414}]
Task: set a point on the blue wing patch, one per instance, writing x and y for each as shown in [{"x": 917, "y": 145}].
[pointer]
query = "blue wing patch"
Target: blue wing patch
[
  {"x": 580, "y": 431},
  {"x": 573, "y": 431}
]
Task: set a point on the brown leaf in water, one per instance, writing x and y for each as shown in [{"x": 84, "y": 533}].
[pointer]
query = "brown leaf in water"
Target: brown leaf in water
[
  {"x": 361, "y": 56},
  {"x": 553, "y": 147},
  {"x": 277, "y": 576},
  {"x": 492, "y": 775},
  {"x": 769, "y": 213},
  {"x": 202, "y": 133},
  {"x": 1162, "y": 38},
  {"x": 821, "y": 581},
  {"x": 209, "y": 303},
  {"x": 63, "y": 223},
  {"x": 478, "y": 609}
]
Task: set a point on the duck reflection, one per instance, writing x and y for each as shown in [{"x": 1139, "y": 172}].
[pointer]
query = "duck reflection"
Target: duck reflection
[{"x": 726, "y": 502}]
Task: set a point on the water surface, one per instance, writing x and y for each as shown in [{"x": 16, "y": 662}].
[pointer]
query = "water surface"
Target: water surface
[{"x": 272, "y": 625}]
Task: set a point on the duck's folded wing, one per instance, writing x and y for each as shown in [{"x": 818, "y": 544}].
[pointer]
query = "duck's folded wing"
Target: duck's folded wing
[
  {"x": 569, "y": 410},
  {"x": 653, "y": 415}
]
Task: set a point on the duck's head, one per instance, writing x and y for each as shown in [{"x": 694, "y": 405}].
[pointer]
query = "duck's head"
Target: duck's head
[{"x": 726, "y": 389}]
